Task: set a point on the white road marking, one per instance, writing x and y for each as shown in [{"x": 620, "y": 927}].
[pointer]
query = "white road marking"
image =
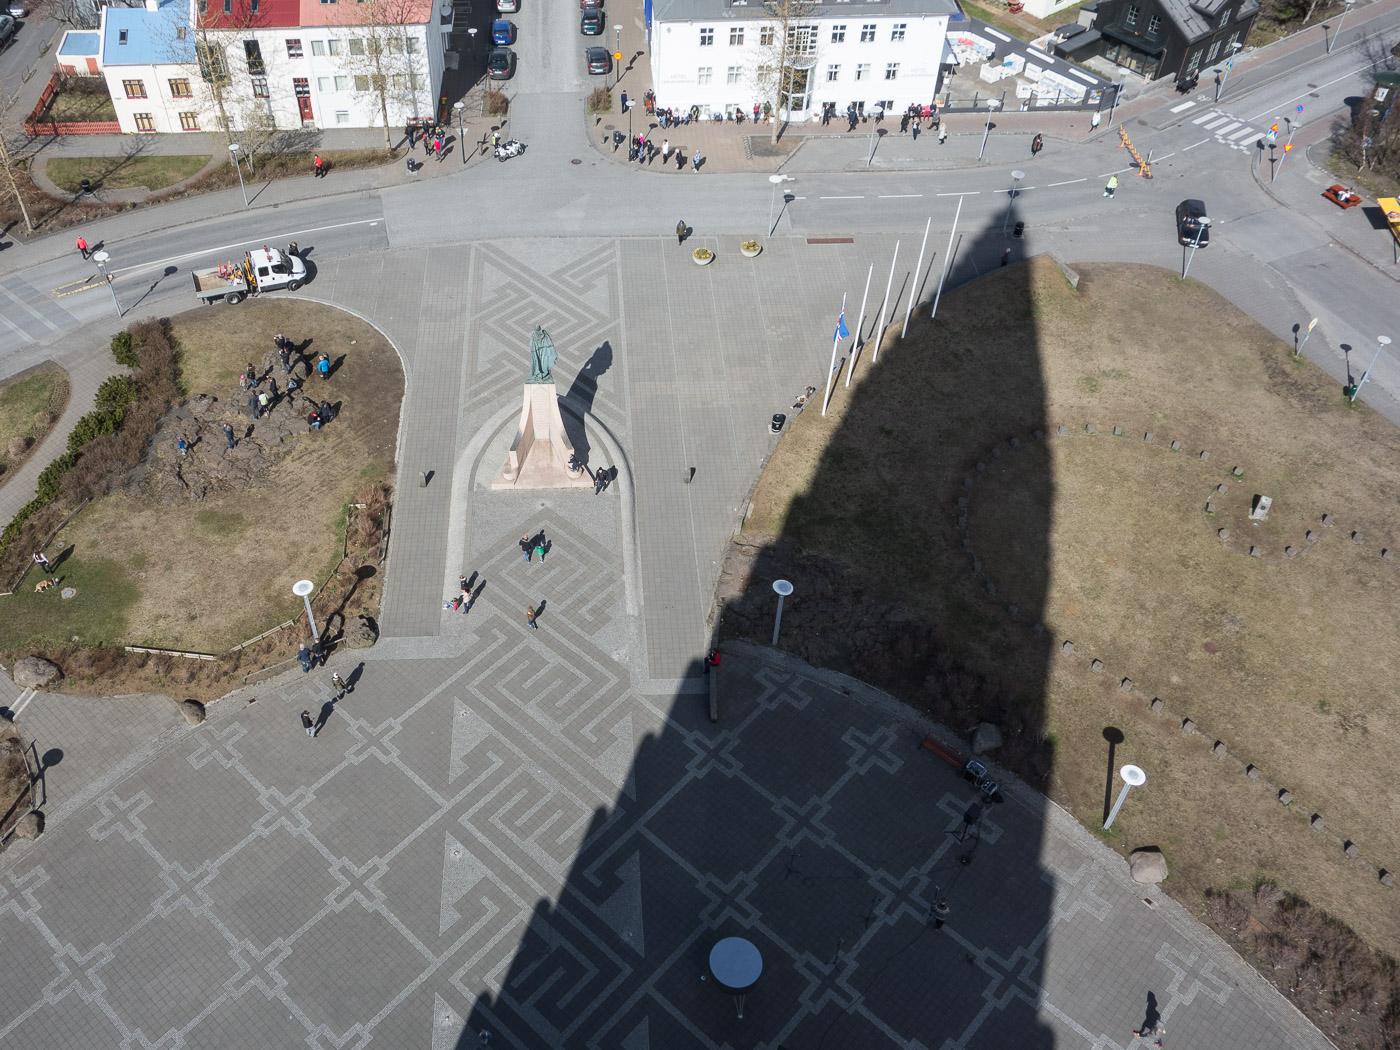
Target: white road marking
[
  {"x": 1203, "y": 118},
  {"x": 1275, "y": 110},
  {"x": 1216, "y": 123},
  {"x": 1195, "y": 144},
  {"x": 857, "y": 197},
  {"x": 1070, "y": 182},
  {"x": 1246, "y": 133},
  {"x": 891, "y": 196},
  {"x": 24, "y": 698},
  {"x": 964, "y": 193},
  {"x": 1184, "y": 105},
  {"x": 1222, "y": 131}
]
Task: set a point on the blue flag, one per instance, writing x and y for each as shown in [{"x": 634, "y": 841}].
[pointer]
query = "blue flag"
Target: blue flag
[{"x": 841, "y": 332}]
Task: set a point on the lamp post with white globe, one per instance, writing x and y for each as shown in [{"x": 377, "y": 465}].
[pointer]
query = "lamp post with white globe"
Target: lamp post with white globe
[
  {"x": 1133, "y": 776},
  {"x": 302, "y": 589}
]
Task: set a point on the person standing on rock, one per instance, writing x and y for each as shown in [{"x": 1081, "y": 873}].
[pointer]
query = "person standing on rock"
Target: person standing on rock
[
  {"x": 228, "y": 434},
  {"x": 323, "y": 366},
  {"x": 253, "y": 406}
]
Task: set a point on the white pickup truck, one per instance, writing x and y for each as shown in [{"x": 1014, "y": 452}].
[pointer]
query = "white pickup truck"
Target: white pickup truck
[{"x": 260, "y": 270}]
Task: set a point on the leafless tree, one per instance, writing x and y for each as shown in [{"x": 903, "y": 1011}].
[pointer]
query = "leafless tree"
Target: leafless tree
[
  {"x": 387, "y": 59},
  {"x": 13, "y": 174},
  {"x": 787, "y": 48}
]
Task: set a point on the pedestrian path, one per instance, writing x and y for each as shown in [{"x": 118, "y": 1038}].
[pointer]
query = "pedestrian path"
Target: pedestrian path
[{"x": 1228, "y": 131}]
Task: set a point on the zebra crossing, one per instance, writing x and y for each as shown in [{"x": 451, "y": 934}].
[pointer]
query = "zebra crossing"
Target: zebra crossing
[{"x": 1236, "y": 134}]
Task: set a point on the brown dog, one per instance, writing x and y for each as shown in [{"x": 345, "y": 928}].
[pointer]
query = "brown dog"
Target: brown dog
[{"x": 45, "y": 584}]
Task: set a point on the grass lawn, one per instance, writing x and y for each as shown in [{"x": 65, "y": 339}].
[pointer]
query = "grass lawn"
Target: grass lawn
[
  {"x": 96, "y": 613},
  {"x": 79, "y": 106},
  {"x": 202, "y": 574},
  {"x": 1106, "y": 541},
  {"x": 123, "y": 173},
  {"x": 30, "y": 404}
]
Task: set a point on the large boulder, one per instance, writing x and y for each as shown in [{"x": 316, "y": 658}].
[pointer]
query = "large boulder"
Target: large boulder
[
  {"x": 360, "y": 633},
  {"x": 192, "y": 711},
  {"x": 30, "y": 826},
  {"x": 34, "y": 673},
  {"x": 986, "y": 737},
  {"x": 1147, "y": 866}
]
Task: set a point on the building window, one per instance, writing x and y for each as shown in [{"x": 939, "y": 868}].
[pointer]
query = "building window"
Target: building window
[
  {"x": 411, "y": 45},
  {"x": 415, "y": 81},
  {"x": 736, "y": 36},
  {"x": 336, "y": 46},
  {"x": 732, "y": 76},
  {"x": 1130, "y": 19},
  {"x": 323, "y": 85},
  {"x": 293, "y": 48},
  {"x": 361, "y": 82},
  {"x": 144, "y": 122},
  {"x": 838, "y": 34},
  {"x": 863, "y": 71},
  {"x": 318, "y": 48},
  {"x": 702, "y": 75},
  {"x": 707, "y": 37},
  {"x": 253, "y": 6},
  {"x": 260, "y": 87},
  {"x": 342, "y": 83},
  {"x": 357, "y": 46},
  {"x": 180, "y": 88},
  {"x": 212, "y": 67},
  {"x": 897, "y": 31},
  {"x": 342, "y": 116},
  {"x": 1214, "y": 50},
  {"x": 765, "y": 36},
  {"x": 134, "y": 88},
  {"x": 1153, "y": 24},
  {"x": 252, "y": 51},
  {"x": 833, "y": 73},
  {"x": 867, "y": 33},
  {"x": 121, "y": 36},
  {"x": 892, "y": 71},
  {"x": 189, "y": 121},
  {"x": 228, "y": 7},
  {"x": 1224, "y": 19}
]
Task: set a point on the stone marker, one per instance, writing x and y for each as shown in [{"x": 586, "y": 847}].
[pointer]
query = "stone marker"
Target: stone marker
[
  {"x": 1147, "y": 437},
  {"x": 996, "y": 451},
  {"x": 1205, "y": 457},
  {"x": 1351, "y": 849},
  {"x": 1222, "y": 488},
  {"x": 1096, "y": 666},
  {"x": 980, "y": 467},
  {"x": 1238, "y": 472},
  {"x": 1038, "y": 434},
  {"x": 1210, "y": 507},
  {"x": 1147, "y": 866},
  {"x": 1126, "y": 685},
  {"x": 1015, "y": 443},
  {"x": 1062, "y": 430},
  {"x": 1176, "y": 446},
  {"x": 1260, "y": 508},
  {"x": 1089, "y": 428},
  {"x": 1255, "y": 552},
  {"x": 1117, "y": 432},
  {"x": 33, "y": 672},
  {"x": 1219, "y": 750},
  {"x": 1252, "y": 772},
  {"x": 1224, "y": 534},
  {"x": 1317, "y": 822},
  {"x": 1188, "y": 727},
  {"x": 1387, "y": 878},
  {"x": 1156, "y": 706},
  {"x": 1356, "y": 537},
  {"x": 1310, "y": 536},
  {"x": 1290, "y": 552},
  {"x": 1285, "y": 797},
  {"x": 1327, "y": 520},
  {"x": 1067, "y": 647}
]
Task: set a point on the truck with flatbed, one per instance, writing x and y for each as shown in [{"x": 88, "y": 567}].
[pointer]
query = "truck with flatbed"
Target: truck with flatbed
[{"x": 260, "y": 270}]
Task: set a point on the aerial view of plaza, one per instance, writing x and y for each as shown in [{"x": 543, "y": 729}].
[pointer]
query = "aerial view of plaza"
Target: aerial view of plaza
[{"x": 726, "y": 524}]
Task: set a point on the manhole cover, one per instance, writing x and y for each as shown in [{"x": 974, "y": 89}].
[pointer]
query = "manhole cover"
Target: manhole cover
[
  {"x": 1142, "y": 123},
  {"x": 1313, "y": 94},
  {"x": 575, "y": 161},
  {"x": 68, "y": 592},
  {"x": 608, "y": 127}
]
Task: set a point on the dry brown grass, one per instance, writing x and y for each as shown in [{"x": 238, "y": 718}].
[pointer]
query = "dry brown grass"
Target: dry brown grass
[
  {"x": 1106, "y": 542},
  {"x": 30, "y": 404},
  {"x": 211, "y": 573}
]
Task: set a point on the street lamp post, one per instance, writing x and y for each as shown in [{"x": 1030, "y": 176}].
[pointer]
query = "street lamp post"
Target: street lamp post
[
  {"x": 617, "y": 56},
  {"x": 101, "y": 259},
  {"x": 1235, "y": 49},
  {"x": 992, "y": 105},
  {"x": 1340, "y": 22},
  {"x": 1133, "y": 776},
  {"x": 876, "y": 113},
  {"x": 471, "y": 42},
  {"x": 1201, "y": 229},
  {"x": 776, "y": 181},
  {"x": 233, "y": 149},
  {"x": 461, "y": 140},
  {"x": 784, "y": 589},
  {"x": 302, "y": 589},
  {"x": 1382, "y": 342},
  {"x": 1016, "y": 177}
]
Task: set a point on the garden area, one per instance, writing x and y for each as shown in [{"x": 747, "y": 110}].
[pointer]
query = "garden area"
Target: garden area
[
  {"x": 196, "y": 549},
  {"x": 154, "y": 172},
  {"x": 30, "y": 404},
  {"x": 1120, "y": 537}
]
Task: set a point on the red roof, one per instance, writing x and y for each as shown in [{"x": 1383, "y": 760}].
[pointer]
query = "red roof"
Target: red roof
[{"x": 270, "y": 14}]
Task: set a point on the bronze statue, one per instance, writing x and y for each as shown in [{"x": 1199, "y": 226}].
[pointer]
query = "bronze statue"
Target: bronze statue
[{"x": 542, "y": 356}]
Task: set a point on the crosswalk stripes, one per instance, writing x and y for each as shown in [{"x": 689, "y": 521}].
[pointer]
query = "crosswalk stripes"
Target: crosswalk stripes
[{"x": 1227, "y": 130}]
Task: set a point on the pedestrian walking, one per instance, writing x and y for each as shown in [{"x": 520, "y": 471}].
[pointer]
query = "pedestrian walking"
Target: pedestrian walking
[
  {"x": 539, "y": 547},
  {"x": 680, "y": 232},
  {"x": 1111, "y": 186},
  {"x": 624, "y": 102},
  {"x": 41, "y": 559},
  {"x": 600, "y": 480},
  {"x": 228, "y": 435},
  {"x": 915, "y": 129},
  {"x": 527, "y": 547},
  {"x": 182, "y": 446},
  {"x": 323, "y": 366},
  {"x": 1153, "y": 1034},
  {"x": 755, "y": 112},
  {"x": 680, "y": 160},
  {"x": 1037, "y": 144},
  {"x": 408, "y": 133},
  {"x": 665, "y": 150},
  {"x": 253, "y": 406},
  {"x": 1094, "y": 120},
  {"x": 83, "y": 247},
  {"x": 320, "y": 166},
  {"x": 304, "y": 655},
  {"x": 338, "y": 684},
  {"x": 940, "y": 913},
  {"x": 850, "y": 118},
  {"x": 942, "y": 133},
  {"x": 904, "y": 122},
  {"x": 1006, "y": 256},
  {"x": 530, "y": 617},
  {"x": 695, "y": 160},
  {"x": 307, "y": 724}
]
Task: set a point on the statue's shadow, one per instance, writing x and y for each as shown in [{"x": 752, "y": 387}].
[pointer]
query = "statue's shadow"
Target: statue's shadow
[{"x": 579, "y": 400}]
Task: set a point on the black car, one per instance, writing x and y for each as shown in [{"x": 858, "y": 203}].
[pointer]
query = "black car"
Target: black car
[
  {"x": 1191, "y": 221},
  {"x": 500, "y": 63},
  {"x": 599, "y": 61},
  {"x": 591, "y": 24}
]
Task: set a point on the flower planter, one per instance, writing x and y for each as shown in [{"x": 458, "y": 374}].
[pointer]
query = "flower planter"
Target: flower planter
[
  {"x": 703, "y": 256},
  {"x": 750, "y": 249}
]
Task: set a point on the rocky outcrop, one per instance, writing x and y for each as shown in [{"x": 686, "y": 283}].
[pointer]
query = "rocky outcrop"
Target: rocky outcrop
[
  {"x": 34, "y": 672},
  {"x": 361, "y": 633}
]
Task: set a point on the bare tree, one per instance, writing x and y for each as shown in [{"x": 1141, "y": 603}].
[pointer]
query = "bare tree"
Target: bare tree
[
  {"x": 12, "y": 170},
  {"x": 787, "y": 52},
  {"x": 387, "y": 59}
]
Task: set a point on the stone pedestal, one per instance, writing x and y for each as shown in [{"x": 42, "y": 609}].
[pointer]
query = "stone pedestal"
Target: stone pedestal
[{"x": 539, "y": 456}]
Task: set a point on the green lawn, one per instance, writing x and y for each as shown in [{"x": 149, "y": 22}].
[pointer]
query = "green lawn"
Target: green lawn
[
  {"x": 96, "y": 614},
  {"x": 79, "y": 106},
  {"x": 124, "y": 173},
  {"x": 23, "y": 401}
]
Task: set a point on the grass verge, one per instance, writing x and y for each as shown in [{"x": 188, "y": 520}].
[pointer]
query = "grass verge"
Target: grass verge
[
  {"x": 30, "y": 404},
  {"x": 123, "y": 173}
]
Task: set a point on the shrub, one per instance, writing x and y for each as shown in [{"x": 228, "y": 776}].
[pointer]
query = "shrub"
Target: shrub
[
  {"x": 497, "y": 105},
  {"x": 116, "y": 392},
  {"x": 599, "y": 100},
  {"x": 122, "y": 349}
]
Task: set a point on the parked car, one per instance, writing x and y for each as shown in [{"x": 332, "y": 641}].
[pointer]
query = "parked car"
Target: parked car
[
  {"x": 1189, "y": 222},
  {"x": 507, "y": 7},
  {"x": 500, "y": 64},
  {"x": 599, "y": 61},
  {"x": 591, "y": 24},
  {"x": 590, "y": 3},
  {"x": 17, "y": 10},
  {"x": 502, "y": 32},
  {"x": 7, "y": 28}
]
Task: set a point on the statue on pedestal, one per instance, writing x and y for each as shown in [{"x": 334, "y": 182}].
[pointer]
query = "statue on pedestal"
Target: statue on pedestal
[{"x": 541, "y": 456}]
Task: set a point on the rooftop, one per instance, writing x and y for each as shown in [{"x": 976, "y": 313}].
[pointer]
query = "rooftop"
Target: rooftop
[
  {"x": 138, "y": 36},
  {"x": 754, "y": 11},
  {"x": 76, "y": 43}
]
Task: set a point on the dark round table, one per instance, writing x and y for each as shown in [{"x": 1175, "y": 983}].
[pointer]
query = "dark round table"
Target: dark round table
[{"x": 736, "y": 964}]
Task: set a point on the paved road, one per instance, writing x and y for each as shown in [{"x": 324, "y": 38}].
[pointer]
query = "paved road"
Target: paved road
[{"x": 555, "y": 802}]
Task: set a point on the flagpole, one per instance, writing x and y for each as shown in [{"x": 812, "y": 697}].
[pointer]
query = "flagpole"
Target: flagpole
[
  {"x": 859, "y": 324},
  {"x": 885, "y": 309},
  {"x": 917, "y": 270},
  {"x": 946, "y": 256},
  {"x": 835, "y": 342}
]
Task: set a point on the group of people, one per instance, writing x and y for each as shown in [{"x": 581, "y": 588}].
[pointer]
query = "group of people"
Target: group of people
[
  {"x": 263, "y": 393},
  {"x": 644, "y": 151}
]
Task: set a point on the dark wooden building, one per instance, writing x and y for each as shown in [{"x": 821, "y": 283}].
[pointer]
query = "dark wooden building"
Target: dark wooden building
[{"x": 1160, "y": 38}]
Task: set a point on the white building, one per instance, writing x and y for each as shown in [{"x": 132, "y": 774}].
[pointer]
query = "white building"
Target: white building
[
  {"x": 720, "y": 55},
  {"x": 281, "y": 64}
]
